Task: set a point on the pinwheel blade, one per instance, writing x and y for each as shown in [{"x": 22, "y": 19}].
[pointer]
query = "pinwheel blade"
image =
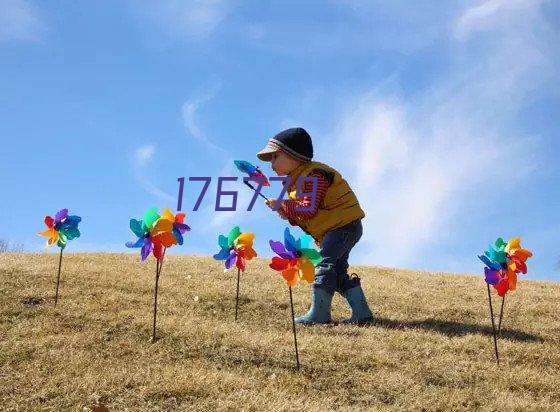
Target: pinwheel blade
[
  {"x": 222, "y": 254},
  {"x": 139, "y": 243},
  {"x": 314, "y": 256},
  {"x": 231, "y": 259},
  {"x": 289, "y": 241},
  {"x": 489, "y": 263},
  {"x": 307, "y": 270},
  {"x": 244, "y": 166},
  {"x": 280, "y": 250},
  {"x": 279, "y": 264},
  {"x": 291, "y": 276},
  {"x": 49, "y": 221},
  {"x": 167, "y": 215},
  {"x": 223, "y": 242},
  {"x": 233, "y": 234},
  {"x": 61, "y": 215},
  {"x": 137, "y": 227},
  {"x": 491, "y": 276},
  {"x": 178, "y": 236},
  {"x": 150, "y": 217},
  {"x": 146, "y": 249}
]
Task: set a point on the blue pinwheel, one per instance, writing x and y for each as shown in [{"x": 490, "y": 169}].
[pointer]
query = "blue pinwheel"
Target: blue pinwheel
[{"x": 60, "y": 230}]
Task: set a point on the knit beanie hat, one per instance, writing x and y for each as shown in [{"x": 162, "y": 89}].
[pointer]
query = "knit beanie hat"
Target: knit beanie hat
[{"x": 296, "y": 142}]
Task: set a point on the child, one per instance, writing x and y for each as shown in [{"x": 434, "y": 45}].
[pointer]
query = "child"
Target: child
[{"x": 334, "y": 222}]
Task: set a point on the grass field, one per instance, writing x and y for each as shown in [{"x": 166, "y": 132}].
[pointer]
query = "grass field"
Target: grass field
[{"x": 430, "y": 348}]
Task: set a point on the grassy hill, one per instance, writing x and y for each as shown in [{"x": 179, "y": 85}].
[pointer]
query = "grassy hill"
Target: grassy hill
[{"x": 430, "y": 349}]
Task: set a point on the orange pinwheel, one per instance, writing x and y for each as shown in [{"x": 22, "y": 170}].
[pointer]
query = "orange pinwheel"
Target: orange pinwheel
[{"x": 295, "y": 259}]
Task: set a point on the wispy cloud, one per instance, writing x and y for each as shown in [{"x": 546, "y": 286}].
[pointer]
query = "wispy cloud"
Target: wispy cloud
[
  {"x": 416, "y": 161},
  {"x": 496, "y": 14},
  {"x": 19, "y": 21},
  {"x": 190, "y": 112},
  {"x": 144, "y": 154},
  {"x": 190, "y": 19},
  {"x": 141, "y": 159}
]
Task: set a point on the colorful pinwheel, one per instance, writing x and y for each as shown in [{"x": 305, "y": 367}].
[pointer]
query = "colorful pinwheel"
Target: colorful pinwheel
[
  {"x": 60, "y": 230},
  {"x": 296, "y": 261},
  {"x": 155, "y": 234},
  {"x": 251, "y": 170},
  {"x": 255, "y": 174},
  {"x": 236, "y": 249},
  {"x": 503, "y": 262}
]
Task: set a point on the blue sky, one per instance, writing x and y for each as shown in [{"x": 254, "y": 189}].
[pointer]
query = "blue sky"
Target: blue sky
[{"x": 442, "y": 116}]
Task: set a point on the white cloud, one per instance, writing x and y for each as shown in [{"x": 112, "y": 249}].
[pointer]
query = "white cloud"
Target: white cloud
[
  {"x": 19, "y": 21},
  {"x": 190, "y": 19},
  {"x": 142, "y": 157},
  {"x": 496, "y": 14},
  {"x": 157, "y": 192},
  {"x": 144, "y": 154},
  {"x": 414, "y": 162},
  {"x": 190, "y": 111}
]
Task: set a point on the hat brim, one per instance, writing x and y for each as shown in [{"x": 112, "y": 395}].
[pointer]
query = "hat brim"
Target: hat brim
[{"x": 266, "y": 154}]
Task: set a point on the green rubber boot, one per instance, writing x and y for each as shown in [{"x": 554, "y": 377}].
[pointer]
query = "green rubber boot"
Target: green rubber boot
[
  {"x": 320, "y": 311},
  {"x": 361, "y": 313}
]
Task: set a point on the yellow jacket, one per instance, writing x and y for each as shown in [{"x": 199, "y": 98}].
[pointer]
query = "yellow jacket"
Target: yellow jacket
[{"x": 339, "y": 207}]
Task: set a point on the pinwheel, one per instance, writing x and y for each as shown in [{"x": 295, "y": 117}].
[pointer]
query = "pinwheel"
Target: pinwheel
[
  {"x": 254, "y": 173},
  {"x": 236, "y": 249},
  {"x": 503, "y": 262},
  {"x": 295, "y": 261},
  {"x": 155, "y": 234},
  {"x": 59, "y": 231}
]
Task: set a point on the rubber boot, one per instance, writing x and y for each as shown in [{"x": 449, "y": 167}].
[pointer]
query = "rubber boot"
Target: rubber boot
[
  {"x": 361, "y": 312},
  {"x": 320, "y": 311}
]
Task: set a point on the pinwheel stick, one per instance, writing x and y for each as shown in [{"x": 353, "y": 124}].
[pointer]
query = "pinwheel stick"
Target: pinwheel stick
[
  {"x": 493, "y": 325},
  {"x": 237, "y": 297},
  {"x": 294, "y": 327},
  {"x": 252, "y": 187},
  {"x": 501, "y": 315},
  {"x": 159, "y": 265},
  {"x": 58, "y": 277}
]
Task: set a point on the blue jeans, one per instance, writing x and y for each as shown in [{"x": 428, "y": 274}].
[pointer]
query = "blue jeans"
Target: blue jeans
[{"x": 331, "y": 274}]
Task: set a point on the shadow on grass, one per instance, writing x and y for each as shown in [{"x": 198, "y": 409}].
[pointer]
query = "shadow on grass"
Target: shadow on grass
[
  {"x": 452, "y": 329},
  {"x": 237, "y": 356}
]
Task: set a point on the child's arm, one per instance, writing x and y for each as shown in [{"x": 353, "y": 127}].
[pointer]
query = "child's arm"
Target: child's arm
[{"x": 288, "y": 209}]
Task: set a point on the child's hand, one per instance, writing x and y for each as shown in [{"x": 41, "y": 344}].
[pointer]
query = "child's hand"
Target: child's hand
[{"x": 271, "y": 203}]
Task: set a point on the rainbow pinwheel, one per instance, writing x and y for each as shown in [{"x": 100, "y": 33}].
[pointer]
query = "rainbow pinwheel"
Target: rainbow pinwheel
[
  {"x": 157, "y": 232},
  {"x": 61, "y": 229},
  {"x": 251, "y": 170},
  {"x": 295, "y": 260},
  {"x": 236, "y": 248},
  {"x": 503, "y": 262}
]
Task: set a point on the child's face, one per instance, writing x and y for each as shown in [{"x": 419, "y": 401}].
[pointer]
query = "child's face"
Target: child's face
[{"x": 282, "y": 163}]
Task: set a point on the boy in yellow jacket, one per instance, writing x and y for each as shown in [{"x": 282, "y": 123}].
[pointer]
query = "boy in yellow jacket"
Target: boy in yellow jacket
[{"x": 332, "y": 216}]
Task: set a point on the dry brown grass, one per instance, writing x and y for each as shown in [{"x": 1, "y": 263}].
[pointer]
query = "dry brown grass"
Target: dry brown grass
[{"x": 430, "y": 349}]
